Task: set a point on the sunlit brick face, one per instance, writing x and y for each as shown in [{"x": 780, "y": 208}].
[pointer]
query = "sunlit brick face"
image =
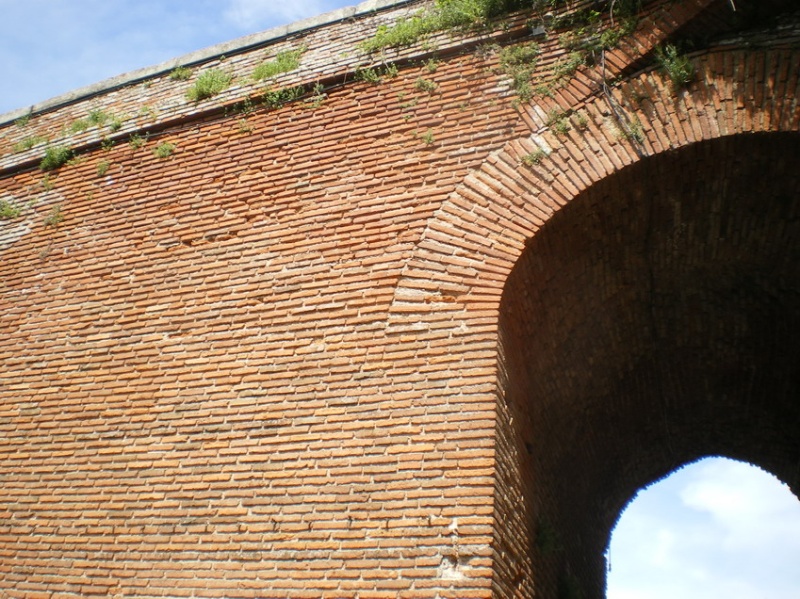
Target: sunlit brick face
[{"x": 654, "y": 320}]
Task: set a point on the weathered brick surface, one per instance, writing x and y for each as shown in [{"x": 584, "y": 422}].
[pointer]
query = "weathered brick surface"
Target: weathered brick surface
[{"x": 320, "y": 353}]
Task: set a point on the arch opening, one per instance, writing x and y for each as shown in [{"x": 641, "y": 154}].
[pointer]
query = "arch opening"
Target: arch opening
[
  {"x": 652, "y": 321},
  {"x": 715, "y": 528}
]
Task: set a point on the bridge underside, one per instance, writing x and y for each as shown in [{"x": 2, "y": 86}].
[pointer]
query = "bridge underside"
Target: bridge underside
[{"x": 653, "y": 321}]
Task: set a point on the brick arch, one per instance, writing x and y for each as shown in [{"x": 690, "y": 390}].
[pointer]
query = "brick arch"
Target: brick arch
[
  {"x": 651, "y": 322},
  {"x": 452, "y": 288},
  {"x": 483, "y": 227}
]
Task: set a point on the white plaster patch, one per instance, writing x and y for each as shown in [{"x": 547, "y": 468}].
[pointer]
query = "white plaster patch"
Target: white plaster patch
[
  {"x": 12, "y": 230},
  {"x": 450, "y": 569}
]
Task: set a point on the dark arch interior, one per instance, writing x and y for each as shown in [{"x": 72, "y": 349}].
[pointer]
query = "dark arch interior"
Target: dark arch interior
[{"x": 653, "y": 321}]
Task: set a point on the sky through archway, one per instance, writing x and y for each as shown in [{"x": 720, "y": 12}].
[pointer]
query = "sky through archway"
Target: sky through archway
[{"x": 715, "y": 529}]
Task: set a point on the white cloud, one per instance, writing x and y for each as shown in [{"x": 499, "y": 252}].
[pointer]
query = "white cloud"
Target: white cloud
[
  {"x": 754, "y": 509},
  {"x": 662, "y": 553},
  {"x": 717, "y": 529}
]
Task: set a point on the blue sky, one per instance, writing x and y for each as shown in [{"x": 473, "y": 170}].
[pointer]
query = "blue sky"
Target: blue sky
[
  {"x": 716, "y": 530},
  {"x": 49, "y": 47}
]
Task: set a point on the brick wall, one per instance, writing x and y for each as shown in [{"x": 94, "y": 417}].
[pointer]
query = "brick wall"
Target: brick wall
[{"x": 339, "y": 348}]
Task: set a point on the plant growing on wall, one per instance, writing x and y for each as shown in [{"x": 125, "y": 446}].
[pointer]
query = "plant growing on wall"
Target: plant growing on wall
[
  {"x": 55, "y": 156},
  {"x": 534, "y": 157},
  {"x": 23, "y": 120},
  {"x": 285, "y": 61},
  {"x": 428, "y": 138},
  {"x": 208, "y": 84},
  {"x": 444, "y": 14},
  {"x": 558, "y": 121},
  {"x": 55, "y": 217},
  {"x": 180, "y": 74},
  {"x": 375, "y": 75},
  {"x": 274, "y": 99},
  {"x": 519, "y": 62},
  {"x": 318, "y": 96},
  {"x": 164, "y": 150},
  {"x": 98, "y": 117},
  {"x": 9, "y": 210},
  {"x": 79, "y": 126},
  {"x": 102, "y": 167},
  {"x": 136, "y": 141},
  {"x": 368, "y": 75},
  {"x": 115, "y": 124},
  {"x": 28, "y": 142},
  {"x": 677, "y": 66},
  {"x": 425, "y": 85}
]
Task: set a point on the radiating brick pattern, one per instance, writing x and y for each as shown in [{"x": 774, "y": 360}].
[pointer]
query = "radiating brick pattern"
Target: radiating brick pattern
[{"x": 340, "y": 348}]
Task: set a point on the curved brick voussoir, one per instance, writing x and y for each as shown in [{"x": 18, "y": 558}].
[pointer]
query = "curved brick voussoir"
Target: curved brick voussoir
[{"x": 499, "y": 206}]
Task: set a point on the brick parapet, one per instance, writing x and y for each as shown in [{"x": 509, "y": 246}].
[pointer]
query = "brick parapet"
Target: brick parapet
[{"x": 151, "y": 100}]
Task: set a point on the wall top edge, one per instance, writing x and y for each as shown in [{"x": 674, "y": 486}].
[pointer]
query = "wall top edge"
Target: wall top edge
[{"x": 241, "y": 44}]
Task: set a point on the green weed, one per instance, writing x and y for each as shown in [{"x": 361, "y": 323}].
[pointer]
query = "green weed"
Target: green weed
[
  {"x": 115, "y": 124},
  {"x": 519, "y": 62},
  {"x": 368, "y": 76},
  {"x": 79, "y": 126},
  {"x": 9, "y": 210},
  {"x": 136, "y": 141},
  {"x": 567, "y": 66},
  {"x": 55, "y": 156},
  {"x": 244, "y": 126},
  {"x": 376, "y": 75},
  {"x": 27, "y": 143},
  {"x": 180, "y": 74},
  {"x": 148, "y": 112},
  {"x": 443, "y": 15},
  {"x": 285, "y": 61},
  {"x": 164, "y": 149},
  {"x": 390, "y": 70},
  {"x": 318, "y": 96},
  {"x": 557, "y": 121},
  {"x": 98, "y": 117},
  {"x": 534, "y": 157},
  {"x": 677, "y": 66},
  {"x": 631, "y": 130},
  {"x": 208, "y": 84},
  {"x": 425, "y": 85},
  {"x": 55, "y": 217},
  {"x": 275, "y": 99}
]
